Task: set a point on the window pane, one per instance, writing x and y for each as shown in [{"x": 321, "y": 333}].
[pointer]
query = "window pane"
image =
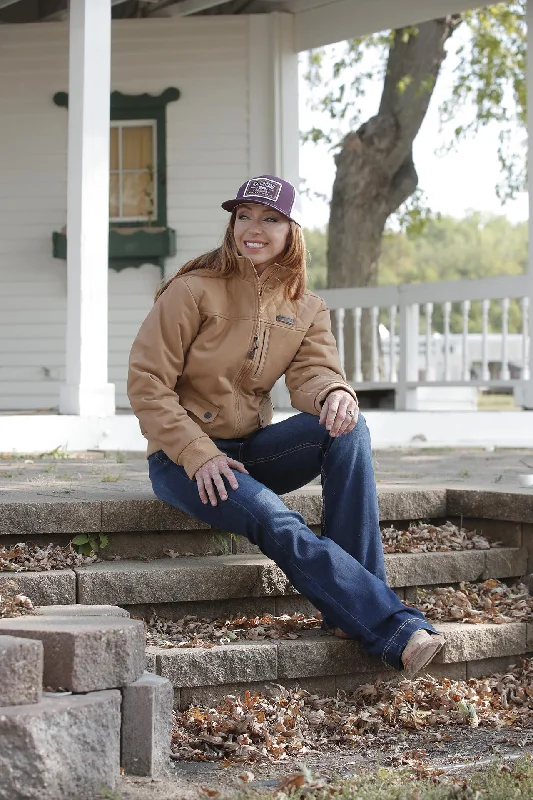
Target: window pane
[
  {"x": 137, "y": 195},
  {"x": 113, "y": 148},
  {"x": 137, "y": 147},
  {"x": 114, "y": 206}
]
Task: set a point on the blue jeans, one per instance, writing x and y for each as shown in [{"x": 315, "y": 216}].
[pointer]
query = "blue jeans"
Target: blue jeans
[{"x": 342, "y": 571}]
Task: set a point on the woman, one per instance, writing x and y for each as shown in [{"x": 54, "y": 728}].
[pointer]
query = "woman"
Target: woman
[{"x": 219, "y": 335}]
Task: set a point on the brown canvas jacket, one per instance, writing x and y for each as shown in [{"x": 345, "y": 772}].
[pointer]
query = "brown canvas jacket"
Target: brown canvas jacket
[{"x": 209, "y": 352}]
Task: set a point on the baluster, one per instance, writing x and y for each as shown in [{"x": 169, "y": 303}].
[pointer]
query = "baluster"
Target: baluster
[
  {"x": 485, "y": 307},
  {"x": 374, "y": 314},
  {"x": 339, "y": 314},
  {"x": 429, "y": 317},
  {"x": 393, "y": 372},
  {"x": 524, "y": 304},
  {"x": 447, "y": 312},
  {"x": 466, "y": 315},
  {"x": 505, "y": 374},
  {"x": 358, "y": 375}
]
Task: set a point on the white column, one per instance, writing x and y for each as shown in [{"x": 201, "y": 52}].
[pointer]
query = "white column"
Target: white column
[
  {"x": 274, "y": 137},
  {"x": 526, "y": 398},
  {"x": 87, "y": 391}
]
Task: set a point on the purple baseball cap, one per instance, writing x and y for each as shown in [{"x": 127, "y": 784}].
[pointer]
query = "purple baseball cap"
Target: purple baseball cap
[{"x": 268, "y": 190}]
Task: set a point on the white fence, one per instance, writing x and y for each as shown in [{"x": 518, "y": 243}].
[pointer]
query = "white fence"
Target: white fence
[{"x": 405, "y": 355}]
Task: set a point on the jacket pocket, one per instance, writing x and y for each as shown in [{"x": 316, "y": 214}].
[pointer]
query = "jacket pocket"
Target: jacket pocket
[
  {"x": 205, "y": 411},
  {"x": 266, "y": 411},
  {"x": 263, "y": 349}
]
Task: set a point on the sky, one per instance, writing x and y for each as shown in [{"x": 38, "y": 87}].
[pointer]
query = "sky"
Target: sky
[{"x": 460, "y": 181}]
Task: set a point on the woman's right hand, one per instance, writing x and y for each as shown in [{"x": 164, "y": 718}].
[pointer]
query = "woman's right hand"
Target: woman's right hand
[{"x": 210, "y": 477}]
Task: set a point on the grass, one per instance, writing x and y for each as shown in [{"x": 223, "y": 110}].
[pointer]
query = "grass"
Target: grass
[
  {"x": 109, "y": 478},
  {"x": 499, "y": 782}
]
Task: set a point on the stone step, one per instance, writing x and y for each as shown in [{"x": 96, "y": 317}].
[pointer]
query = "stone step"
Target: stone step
[
  {"x": 320, "y": 662},
  {"x": 196, "y": 582}
]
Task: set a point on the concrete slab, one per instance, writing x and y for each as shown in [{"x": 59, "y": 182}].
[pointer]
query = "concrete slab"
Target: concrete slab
[
  {"x": 84, "y": 654},
  {"x": 56, "y": 587},
  {"x": 21, "y": 668},
  {"x": 61, "y": 748},
  {"x": 237, "y": 663},
  {"x": 146, "y": 726},
  {"x": 79, "y": 610}
]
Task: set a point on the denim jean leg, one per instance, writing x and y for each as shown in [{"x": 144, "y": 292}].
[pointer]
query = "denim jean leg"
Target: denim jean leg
[{"x": 341, "y": 588}]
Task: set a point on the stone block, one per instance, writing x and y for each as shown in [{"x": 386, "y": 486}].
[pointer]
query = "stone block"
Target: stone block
[
  {"x": 213, "y": 695},
  {"x": 169, "y": 580},
  {"x": 414, "y": 569},
  {"x": 21, "y": 668},
  {"x": 465, "y": 503},
  {"x": 157, "y": 544},
  {"x": 208, "y": 609},
  {"x": 84, "y": 654},
  {"x": 237, "y": 663},
  {"x": 58, "y": 517},
  {"x": 306, "y": 501},
  {"x": 273, "y": 581},
  {"x": 79, "y": 610},
  {"x": 490, "y": 666},
  {"x": 294, "y": 604},
  {"x": 475, "y": 642},
  {"x": 150, "y": 659},
  {"x": 505, "y": 562},
  {"x": 527, "y": 542},
  {"x": 61, "y": 748},
  {"x": 454, "y": 672},
  {"x": 508, "y": 533},
  {"x": 146, "y": 726},
  {"x": 322, "y": 654},
  {"x": 47, "y": 588},
  {"x": 146, "y": 513},
  {"x": 516, "y": 506},
  {"x": 411, "y": 504}
]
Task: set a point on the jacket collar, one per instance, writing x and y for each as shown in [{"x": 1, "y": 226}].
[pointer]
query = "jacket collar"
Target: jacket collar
[{"x": 247, "y": 271}]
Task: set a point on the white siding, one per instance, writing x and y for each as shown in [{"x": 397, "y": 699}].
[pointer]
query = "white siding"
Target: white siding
[{"x": 207, "y": 156}]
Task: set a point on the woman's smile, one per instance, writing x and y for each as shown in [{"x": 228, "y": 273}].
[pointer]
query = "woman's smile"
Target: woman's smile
[{"x": 261, "y": 233}]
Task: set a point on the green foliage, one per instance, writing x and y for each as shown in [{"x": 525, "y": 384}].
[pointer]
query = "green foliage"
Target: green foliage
[
  {"x": 446, "y": 249},
  {"x": 89, "y": 543}
]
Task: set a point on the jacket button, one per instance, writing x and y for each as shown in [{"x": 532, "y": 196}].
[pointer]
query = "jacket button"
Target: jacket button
[{"x": 207, "y": 415}]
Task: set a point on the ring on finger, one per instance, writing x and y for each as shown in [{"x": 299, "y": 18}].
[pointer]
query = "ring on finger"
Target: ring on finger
[{"x": 350, "y": 413}]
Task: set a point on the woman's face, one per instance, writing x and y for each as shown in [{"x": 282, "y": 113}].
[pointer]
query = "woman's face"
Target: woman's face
[{"x": 261, "y": 234}]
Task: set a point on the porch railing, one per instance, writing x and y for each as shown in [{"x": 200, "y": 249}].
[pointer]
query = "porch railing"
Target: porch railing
[{"x": 419, "y": 335}]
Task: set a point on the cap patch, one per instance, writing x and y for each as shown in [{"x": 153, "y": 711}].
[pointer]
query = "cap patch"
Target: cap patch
[{"x": 263, "y": 187}]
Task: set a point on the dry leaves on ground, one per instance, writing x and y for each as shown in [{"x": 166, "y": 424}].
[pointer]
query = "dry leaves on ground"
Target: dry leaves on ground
[
  {"x": 290, "y": 723},
  {"x": 12, "y": 603},
  {"x": 490, "y": 601},
  {"x": 423, "y": 537},
  {"x": 193, "y": 631},
  {"x": 28, "y": 556}
]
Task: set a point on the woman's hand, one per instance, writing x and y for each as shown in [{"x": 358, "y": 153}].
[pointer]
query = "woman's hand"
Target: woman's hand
[
  {"x": 339, "y": 412},
  {"x": 209, "y": 477}
]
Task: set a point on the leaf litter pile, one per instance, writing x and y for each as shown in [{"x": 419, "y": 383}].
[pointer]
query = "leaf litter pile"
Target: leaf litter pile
[
  {"x": 423, "y": 537},
  {"x": 12, "y": 603},
  {"x": 290, "y": 723},
  {"x": 26, "y": 556},
  {"x": 490, "y": 601}
]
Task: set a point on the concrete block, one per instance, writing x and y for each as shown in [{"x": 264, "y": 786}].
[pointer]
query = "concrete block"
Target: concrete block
[
  {"x": 61, "y": 748},
  {"x": 475, "y": 642},
  {"x": 21, "y": 668},
  {"x": 146, "y": 513},
  {"x": 79, "y": 610},
  {"x": 58, "y": 517},
  {"x": 237, "y": 663},
  {"x": 84, "y": 654},
  {"x": 306, "y": 501},
  {"x": 157, "y": 544},
  {"x": 508, "y": 533},
  {"x": 294, "y": 604},
  {"x": 273, "y": 581},
  {"x": 527, "y": 542},
  {"x": 213, "y": 695},
  {"x": 209, "y": 609},
  {"x": 514, "y": 506},
  {"x": 321, "y": 654},
  {"x": 47, "y": 588},
  {"x": 146, "y": 726},
  {"x": 150, "y": 659},
  {"x": 490, "y": 666},
  {"x": 414, "y": 569},
  {"x": 454, "y": 672},
  {"x": 505, "y": 562},
  {"x": 169, "y": 580},
  {"x": 465, "y": 503},
  {"x": 411, "y": 504}
]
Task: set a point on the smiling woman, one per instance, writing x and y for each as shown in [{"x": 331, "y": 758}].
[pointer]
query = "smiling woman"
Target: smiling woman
[{"x": 221, "y": 333}]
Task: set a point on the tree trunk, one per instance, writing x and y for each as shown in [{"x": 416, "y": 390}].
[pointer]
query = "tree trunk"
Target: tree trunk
[{"x": 375, "y": 169}]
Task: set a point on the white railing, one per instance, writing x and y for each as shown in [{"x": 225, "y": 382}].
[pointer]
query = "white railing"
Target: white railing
[{"x": 403, "y": 355}]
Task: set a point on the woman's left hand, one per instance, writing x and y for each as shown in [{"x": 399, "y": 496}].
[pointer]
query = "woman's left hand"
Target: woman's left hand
[{"x": 339, "y": 413}]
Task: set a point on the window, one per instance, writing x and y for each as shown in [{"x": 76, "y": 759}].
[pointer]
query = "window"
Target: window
[{"x": 132, "y": 169}]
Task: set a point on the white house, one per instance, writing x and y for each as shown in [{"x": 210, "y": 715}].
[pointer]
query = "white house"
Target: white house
[{"x": 121, "y": 137}]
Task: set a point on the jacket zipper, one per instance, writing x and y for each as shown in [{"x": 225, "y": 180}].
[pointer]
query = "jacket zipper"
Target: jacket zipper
[{"x": 262, "y": 352}]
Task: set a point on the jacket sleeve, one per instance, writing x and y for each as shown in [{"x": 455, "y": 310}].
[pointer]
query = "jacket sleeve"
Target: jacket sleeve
[
  {"x": 315, "y": 371},
  {"x": 156, "y": 362}
]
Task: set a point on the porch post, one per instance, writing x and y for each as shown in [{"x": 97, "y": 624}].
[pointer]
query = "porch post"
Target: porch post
[
  {"x": 87, "y": 391},
  {"x": 527, "y": 391},
  {"x": 274, "y": 137}
]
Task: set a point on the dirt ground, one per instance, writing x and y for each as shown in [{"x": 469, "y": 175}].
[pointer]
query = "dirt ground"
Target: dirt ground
[{"x": 456, "y": 751}]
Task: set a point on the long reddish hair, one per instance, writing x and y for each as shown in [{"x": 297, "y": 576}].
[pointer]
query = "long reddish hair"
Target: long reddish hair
[{"x": 224, "y": 261}]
